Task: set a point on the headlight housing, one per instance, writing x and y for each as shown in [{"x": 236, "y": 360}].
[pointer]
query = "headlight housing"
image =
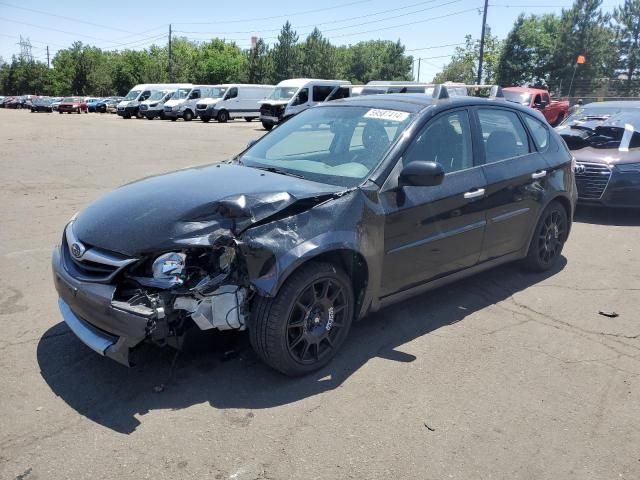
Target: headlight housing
[
  {"x": 169, "y": 266},
  {"x": 628, "y": 167}
]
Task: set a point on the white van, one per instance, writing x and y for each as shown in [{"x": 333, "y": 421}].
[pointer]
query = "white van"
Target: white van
[
  {"x": 233, "y": 100},
  {"x": 376, "y": 87},
  {"x": 154, "y": 106},
  {"x": 184, "y": 100},
  {"x": 290, "y": 97},
  {"x": 130, "y": 104}
]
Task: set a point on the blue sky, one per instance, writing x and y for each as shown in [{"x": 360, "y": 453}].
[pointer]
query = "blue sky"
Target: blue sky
[{"x": 430, "y": 29}]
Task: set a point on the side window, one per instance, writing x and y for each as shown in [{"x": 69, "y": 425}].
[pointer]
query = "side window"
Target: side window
[
  {"x": 447, "y": 140},
  {"x": 303, "y": 96},
  {"x": 145, "y": 95},
  {"x": 195, "y": 94},
  {"x": 503, "y": 135},
  {"x": 538, "y": 131},
  {"x": 321, "y": 92},
  {"x": 232, "y": 93}
]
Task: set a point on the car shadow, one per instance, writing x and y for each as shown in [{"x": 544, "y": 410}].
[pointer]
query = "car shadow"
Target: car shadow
[
  {"x": 223, "y": 370},
  {"x": 607, "y": 216}
]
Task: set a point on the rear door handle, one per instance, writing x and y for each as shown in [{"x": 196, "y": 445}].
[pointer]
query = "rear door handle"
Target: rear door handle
[
  {"x": 478, "y": 192},
  {"x": 540, "y": 174}
]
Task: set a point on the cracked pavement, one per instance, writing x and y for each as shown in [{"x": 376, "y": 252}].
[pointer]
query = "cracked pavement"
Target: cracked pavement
[{"x": 503, "y": 375}]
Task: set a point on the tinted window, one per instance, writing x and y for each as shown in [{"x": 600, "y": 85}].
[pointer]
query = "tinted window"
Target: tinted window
[
  {"x": 303, "y": 96},
  {"x": 320, "y": 93},
  {"x": 502, "y": 133},
  {"x": 538, "y": 131},
  {"x": 233, "y": 93},
  {"x": 447, "y": 140}
]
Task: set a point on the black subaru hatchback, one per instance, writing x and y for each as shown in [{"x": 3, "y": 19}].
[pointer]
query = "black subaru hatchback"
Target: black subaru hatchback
[{"x": 345, "y": 208}]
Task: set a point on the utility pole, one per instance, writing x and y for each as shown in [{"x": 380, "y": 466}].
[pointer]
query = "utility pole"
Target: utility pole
[
  {"x": 419, "y": 70},
  {"x": 484, "y": 24},
  {"x": 48, "y": 62},
  {"x": 170, "y": 66}
]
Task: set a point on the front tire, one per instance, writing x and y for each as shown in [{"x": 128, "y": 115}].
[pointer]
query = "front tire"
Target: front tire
[
  {"x": 267, "y": 126},
  {"x": 548, "y": 239},
  {"x": 223, "y": 116},
  {"x": 302, "y": 328}
]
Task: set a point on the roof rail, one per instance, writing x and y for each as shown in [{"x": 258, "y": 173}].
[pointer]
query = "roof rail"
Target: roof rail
[{"x": 440, "y": 92}]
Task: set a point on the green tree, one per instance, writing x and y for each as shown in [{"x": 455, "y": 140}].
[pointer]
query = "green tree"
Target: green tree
[
  {"x": 218, "y": 62},
  {"x": 375, "y": 60},
  {"x": 463, "y": 66},
  {"x": 286, "y": 54},
  {"x": 528, "y": 50},
  {"x": 258, "y": 65},
  {"x": 584, "y": 30},
  {"x": 627, "y": 19},
  {"x": 318, "y": 57}
]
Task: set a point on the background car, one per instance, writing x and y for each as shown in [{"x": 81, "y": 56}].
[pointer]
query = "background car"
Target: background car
[
  {"x": 109, "y": 105},
  {"x": 92, "y": 102},
  {"x": 73, "y": 105},
  {"x": 41, "y": 104},
  {"x": 553, "y": 110},
  {"x": 604, "y": 138}
]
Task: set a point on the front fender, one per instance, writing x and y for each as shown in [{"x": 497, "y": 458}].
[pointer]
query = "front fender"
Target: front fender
[{"x": 278, "y": 268}]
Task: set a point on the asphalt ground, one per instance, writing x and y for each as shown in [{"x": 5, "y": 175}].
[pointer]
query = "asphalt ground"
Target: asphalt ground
[{"x": 506, "y": 375}]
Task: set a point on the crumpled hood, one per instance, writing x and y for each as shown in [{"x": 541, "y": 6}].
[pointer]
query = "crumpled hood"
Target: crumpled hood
[{"x": 192, "y": 207}]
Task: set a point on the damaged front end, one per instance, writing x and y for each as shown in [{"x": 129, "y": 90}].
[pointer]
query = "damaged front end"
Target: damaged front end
[{"x": 113, "y": 303}]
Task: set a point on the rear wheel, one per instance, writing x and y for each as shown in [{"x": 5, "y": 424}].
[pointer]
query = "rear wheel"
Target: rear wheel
[
  {"x": 248, "y": 119},
  {"x": 223, "y": 116},
  {"x": 162, "y": 117},
  {"x": 267, "y": 126},
  {"x": 187, "y": 116},
  {"x": 559, "y": 119},
  {"x": 548, "y": 238},
  {"x": 149, "y": 117},
  {"x": 139, "y": 114},
  {"x": 173, "y": 119},
  {"x": 127, "y": 116},
  {"x": 205, "y": 118},
  {"x": 305, "y": 324}
]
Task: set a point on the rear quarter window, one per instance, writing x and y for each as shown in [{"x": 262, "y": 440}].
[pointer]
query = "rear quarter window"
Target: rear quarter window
[{"x": 539, "y": 132}]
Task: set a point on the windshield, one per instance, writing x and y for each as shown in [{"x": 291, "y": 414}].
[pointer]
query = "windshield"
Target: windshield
[
  {"x": 283, "y": 93},
  {"x": 157, "y": 95},
  {"x": 132, "y": 95},
  {"x": 338, "y": 145},
  {"x": 217, "y": 92},
  {"x": 522, "y": 98},
  {"x": 181, "y": 94}
]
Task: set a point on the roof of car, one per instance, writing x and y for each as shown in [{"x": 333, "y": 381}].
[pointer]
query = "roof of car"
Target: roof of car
[{"x": 415, "y": 102}]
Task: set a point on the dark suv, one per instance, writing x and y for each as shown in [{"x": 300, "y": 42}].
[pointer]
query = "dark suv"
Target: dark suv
[{"x": 345, "y": 208}]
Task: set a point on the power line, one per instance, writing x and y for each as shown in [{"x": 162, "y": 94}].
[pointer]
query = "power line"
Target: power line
[
  {"x": 65, "y": 18},
  {"x": 342, "y": 20},
  {"x": 258, "y": 19}
]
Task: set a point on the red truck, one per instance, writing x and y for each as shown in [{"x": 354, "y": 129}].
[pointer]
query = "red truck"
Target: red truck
[{"x": 553, "y": 110}]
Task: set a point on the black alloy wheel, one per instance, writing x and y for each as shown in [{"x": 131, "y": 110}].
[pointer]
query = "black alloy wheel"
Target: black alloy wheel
[
  {"x": 302, "y": 328},
  {"x": 548, "y": 238}
]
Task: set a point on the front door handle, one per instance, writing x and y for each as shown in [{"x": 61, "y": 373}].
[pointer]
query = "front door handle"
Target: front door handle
[
  {"x": 540, "y": 174},
  {"x": 478, "y": 192}
]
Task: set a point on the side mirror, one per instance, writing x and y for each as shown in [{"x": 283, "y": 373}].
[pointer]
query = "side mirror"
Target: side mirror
[{"x": 421, "y": 174}]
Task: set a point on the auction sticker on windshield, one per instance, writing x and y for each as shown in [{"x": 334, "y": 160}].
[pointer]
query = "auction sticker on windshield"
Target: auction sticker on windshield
[{"x": 391, "y": 115}]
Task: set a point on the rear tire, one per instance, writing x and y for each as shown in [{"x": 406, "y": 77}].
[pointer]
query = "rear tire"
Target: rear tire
[
  {"x": 302, "y": 328},
  {"x": 548, "y": 238},
  {"x": 149, "y": 117},
  {"x": 127, "y": 116},
  {"x": 173, "y": 119},
  {"x": 223, "y": 116},
  {"x": 205, "y": 118},
  {"x": 267, "y": 126},
  {"x": 248, "y": 119},
  {"x": 559, "y": 119},
  {"x": 187, "y": 116}
]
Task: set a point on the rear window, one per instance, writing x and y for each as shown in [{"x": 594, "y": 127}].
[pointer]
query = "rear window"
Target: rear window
[{"x": 321, "y": 92}]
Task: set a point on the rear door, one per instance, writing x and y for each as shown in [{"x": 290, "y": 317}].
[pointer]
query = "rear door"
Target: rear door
[
  {"x": 515, "y": 173},
  {"x": 433, "y": 231}
]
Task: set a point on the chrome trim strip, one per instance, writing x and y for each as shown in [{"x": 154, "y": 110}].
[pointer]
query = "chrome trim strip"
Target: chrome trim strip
[
  {"x": 93, "y": 338},
  {"x": 508, "y": 215},
  {"x": 439, "y": 236}
]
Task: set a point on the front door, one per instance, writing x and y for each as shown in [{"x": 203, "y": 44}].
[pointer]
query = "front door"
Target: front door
[{"x": 434, "y": 231}]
